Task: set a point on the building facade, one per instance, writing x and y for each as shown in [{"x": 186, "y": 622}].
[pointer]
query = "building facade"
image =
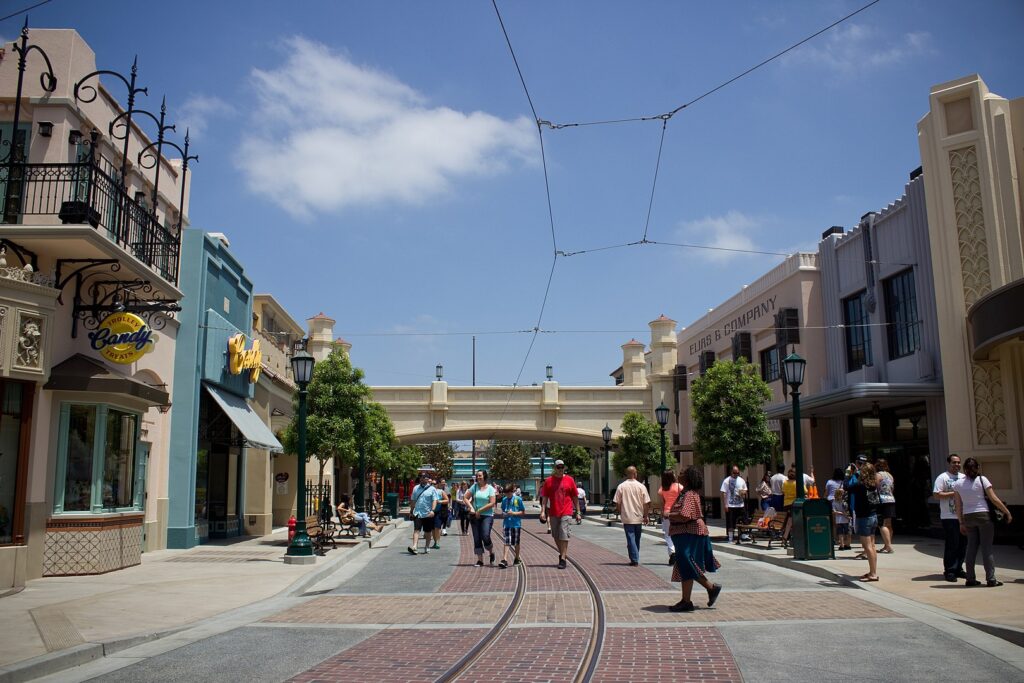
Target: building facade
[{"x": 89, "y": 252}]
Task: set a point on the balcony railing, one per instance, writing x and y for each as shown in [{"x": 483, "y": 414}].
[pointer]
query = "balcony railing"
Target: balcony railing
[{"x": 82, "y": 192}]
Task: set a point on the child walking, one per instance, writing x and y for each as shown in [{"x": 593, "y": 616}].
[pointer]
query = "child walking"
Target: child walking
[
  {"x": 842, "y": 517},
  {"x": 512, "y": 509}
]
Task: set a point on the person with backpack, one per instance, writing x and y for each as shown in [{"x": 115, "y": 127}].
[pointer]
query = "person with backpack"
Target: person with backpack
[
  {"x": 423, "y": 508},
  {"x": 512, "y": 509},
  {"x": 863, "y": 489}
]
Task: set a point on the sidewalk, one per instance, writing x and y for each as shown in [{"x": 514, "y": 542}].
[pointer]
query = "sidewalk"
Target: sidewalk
[
  {"x": 913, "y": 571},
  {"x": 58, "y": 622}
]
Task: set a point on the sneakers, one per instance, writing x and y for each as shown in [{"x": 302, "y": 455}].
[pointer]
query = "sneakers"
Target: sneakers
[
  {"x": 435, "y": 547},
  {"x": 671, "y": 559},
  {"x": 970, "y": 583},
  {"x": 479, "y": 563},
  {"x": 993, "y": 583},
  {"x": 517, "y": 561},
  {"x": 411, "y": 550},
  {"x": 950, "y": 577},
  {"x": 713, "y": 594},
  {"x": 681, "y": 606},
  {"x": 503, "y": 565},
  {"x": 633, "y": 563},
  {"x": 561, "y": 563},
  {"x": 444, "y": 532}
]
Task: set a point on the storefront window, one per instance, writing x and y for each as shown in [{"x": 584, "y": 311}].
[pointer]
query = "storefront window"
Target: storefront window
[
  {"x": 119, "y": 459},
  {"x": 81, "y": 431},
  {"x": 10, "y": 448},
  {"x": 98, "y": 458}
]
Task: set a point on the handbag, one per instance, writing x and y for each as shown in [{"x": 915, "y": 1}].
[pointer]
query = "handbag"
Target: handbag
[{"x": 994, "y": 513}]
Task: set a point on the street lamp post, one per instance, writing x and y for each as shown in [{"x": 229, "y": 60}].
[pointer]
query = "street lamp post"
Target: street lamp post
[
  {"x": 300, "y": 550},
  {"x": 606, "y": 434},
  {"x": 661, "y": 412},
  {"x": 794, "y": 368}
]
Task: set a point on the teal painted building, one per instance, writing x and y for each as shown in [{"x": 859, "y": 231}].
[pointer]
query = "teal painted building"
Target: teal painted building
[{"x": 212, "y": 424}]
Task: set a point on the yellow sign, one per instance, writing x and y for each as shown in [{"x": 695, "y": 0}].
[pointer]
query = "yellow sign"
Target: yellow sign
[
  {"x": 123, "y": 338},
  {"x": 240, "y": 358}
]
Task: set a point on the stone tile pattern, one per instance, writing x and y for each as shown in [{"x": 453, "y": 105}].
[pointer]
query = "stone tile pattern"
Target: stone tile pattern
[
  {"x": 409, "y": 655},
  {"x": 555, "y": 608},
  {"x": 396, "y": 609},
  {"x": 468, "y": 578},
  {"x": 74, "y": 548},
  {"x": 532, "y": 654},
  {"x": 611, "y": 571},
  {"x": 661, "y": 655},
  {"x": 641, "y": 608}
]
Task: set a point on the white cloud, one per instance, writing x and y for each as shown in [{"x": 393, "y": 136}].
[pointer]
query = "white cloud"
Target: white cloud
[
  {"x": 733, "y": 230},
  {"x": 855, "y": 48},
  {"x": 196, "y": 112},
  {"x": 328, "y": 134}
]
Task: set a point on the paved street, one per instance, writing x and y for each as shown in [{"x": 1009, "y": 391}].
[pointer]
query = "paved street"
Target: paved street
[{"x": 385, "y": 615}]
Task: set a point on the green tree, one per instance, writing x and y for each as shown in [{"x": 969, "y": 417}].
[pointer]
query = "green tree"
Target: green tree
[
  {"x": 441, "y": 456},
  {"x": 638, "y": 446},
  {"x": 730, "y": 426},
  {"x": 340, "y": 416},
  {"x": 577, "y": 460},
  {"x": 408, "y": 460},
  {"x": 508, "y": 461}
]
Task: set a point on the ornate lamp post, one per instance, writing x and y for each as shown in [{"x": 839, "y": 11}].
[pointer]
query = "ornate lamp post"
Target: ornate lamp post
[
  {"x": 606, "y": 434},
  {"x": 661, "y": 413},
  {"x": 300, "y": 550},
  {"x": 794, "y": 367},
  {"x": 549, "y": 372},
  {"x": 439, "y": 372}
]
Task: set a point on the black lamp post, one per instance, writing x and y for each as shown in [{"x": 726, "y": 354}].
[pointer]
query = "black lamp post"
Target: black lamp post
[
  {"x": 543, "y": 453},
  {"x": 794, "y": 367},
  {"x": 549, "y": 372},
  {"x": 661, "y": 413},
  {"x": 606, "y": 434},
  {"x": 439, "y": 372},
  {"x": 300, "y": 550}
]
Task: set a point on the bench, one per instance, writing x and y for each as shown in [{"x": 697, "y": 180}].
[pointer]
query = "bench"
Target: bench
[
  {"x": 772, "y": 532},
  {"x": 377, "y": 513},
  {"x": 320, "y": 534}
]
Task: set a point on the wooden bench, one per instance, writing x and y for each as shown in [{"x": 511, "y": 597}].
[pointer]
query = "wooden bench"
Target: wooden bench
[
  {"x": 320, "y": 534},
  {"x": 772, "y": 532},
  {"x": 377, "y": 513}
]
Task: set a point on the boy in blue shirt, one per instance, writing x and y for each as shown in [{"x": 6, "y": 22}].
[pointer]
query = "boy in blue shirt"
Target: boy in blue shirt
[{"x": 512, "y": 509}]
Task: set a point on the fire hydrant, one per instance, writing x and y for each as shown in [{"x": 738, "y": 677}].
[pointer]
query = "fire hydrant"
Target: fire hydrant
[{"x": 291, "y": 528}]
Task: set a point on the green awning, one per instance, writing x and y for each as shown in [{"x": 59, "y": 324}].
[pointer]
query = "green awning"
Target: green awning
[{"x": 255, "y": 432}]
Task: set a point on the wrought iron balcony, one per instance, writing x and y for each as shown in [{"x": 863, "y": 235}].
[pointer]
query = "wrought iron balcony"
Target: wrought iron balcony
[{"x": 83, "y": 192}]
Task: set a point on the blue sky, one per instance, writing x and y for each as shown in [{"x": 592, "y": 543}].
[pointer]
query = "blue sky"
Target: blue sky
[{"x": 379, "y": 162}]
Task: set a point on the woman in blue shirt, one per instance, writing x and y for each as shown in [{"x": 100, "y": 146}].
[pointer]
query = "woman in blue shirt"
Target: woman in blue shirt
[{"x": 479, "y": 501}]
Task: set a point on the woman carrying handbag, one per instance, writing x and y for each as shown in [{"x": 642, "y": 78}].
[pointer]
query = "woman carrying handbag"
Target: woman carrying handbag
[{"x": 976, "y": 505}]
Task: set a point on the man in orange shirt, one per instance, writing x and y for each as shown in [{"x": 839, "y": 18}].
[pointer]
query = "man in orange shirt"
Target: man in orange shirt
[{"x": 559, "y": 502}]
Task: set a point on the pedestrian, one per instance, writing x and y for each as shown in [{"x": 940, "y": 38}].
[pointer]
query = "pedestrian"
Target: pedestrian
[
  {"x": 694, "y": 554},
  {"x": 778, "y": 479},
  {"x": 841, "y": 515},
  {"x": 764, "y": 491},
  {"x": 512, "y": 509},
  {"x": 669, "y": 491},
  {"x": 788, "y": 496},
  {"x": 480, "y": 499},
  {"x": 582, "y": 495},
  {"x": 559, "y": 503},
  {"x": 864, "y": 490},
  {"x": 346, "y": 515},
  {"x": 424, "y": 509},
  {"x": 955, "y": 548},
  {"x": 633, "y": 504},
  {"x": 734, "y": 501},
  {"x": 975, "y": 498},
  {"x": 886, "y": 503},
  {"x": 834, "y": 484},
  {"x": 443, "y": 503},
  {"x": 463, "y": 508}
]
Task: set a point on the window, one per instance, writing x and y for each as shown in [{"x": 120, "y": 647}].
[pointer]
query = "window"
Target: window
[
  {"x": 904, "y": 329},
  {"x": 858, "y": 334},
  {"x": 97, "y": 459},
  {"x": 770, "y": 364}
]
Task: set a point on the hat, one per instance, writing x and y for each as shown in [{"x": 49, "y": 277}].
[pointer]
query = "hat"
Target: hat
[
  {"x": 559, "y": 463},
  {"x": 862, "y": 458}
]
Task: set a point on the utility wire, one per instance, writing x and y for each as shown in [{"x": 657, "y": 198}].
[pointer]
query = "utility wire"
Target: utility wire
[
  {"x": 22, "y": 11},
  {"x": 654, "y": 184}
]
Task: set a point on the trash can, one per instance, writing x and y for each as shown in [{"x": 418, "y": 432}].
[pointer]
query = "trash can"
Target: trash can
[
  {"x": 812, "y": 529},
  {"x": 391, "y": 504}
]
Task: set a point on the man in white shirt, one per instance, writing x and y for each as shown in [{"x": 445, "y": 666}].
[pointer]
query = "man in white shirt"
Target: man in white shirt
[
  {"x": 956, "y": 543},
  {"x": 633, "y": 504},
  {"x": 734, "y": 500},
  {"x": 582, "y": 495},
  {"x": 778, "y": 479}
]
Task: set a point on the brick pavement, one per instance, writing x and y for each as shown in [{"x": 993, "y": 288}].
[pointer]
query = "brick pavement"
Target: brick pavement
[
  {"x": 468, "y": 578},
  {"x": 628, "y": 607},
  {"x": 531, "y": 654},
  {"x": 661, "y": 655},
  {"x": 611, "y": 571},
  {"x": 555, "y": 608},
  {"x": 395, "y": 609},
  {"x": 396, "y": 655}
]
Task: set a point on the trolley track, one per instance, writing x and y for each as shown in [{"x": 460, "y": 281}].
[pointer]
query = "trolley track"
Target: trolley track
[{"x": 588, "y": 663}]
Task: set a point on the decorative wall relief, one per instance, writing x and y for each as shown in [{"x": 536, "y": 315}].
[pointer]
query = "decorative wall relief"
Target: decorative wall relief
[
  {"x": 989, "y": 407},
  {"x": 28, "y": 352},
  {"x": 970, "y": 223}
]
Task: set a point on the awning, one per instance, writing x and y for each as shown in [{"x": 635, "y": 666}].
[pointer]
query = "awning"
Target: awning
[
  {"x": 81, "y": 373},
  {"x": 856, "y": 398},
  {"x": 253, "y": 429}
]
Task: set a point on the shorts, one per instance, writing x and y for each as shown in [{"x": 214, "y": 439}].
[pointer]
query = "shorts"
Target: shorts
[
  {"x": 423, "y": 524},
  {"x": 560, "y": 527},
  {"x": 843, "y": 529},
  {"x": 866, "y": 526},
  {"x": 886, "y": 511},
  {"x": 512, "y": 535}
]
